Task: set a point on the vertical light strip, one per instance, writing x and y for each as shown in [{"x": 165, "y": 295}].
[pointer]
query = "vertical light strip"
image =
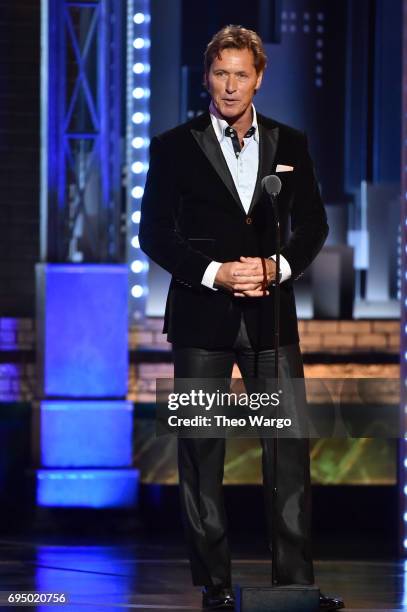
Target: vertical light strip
[
  {"x": 402, "y": 476},
  {"x": 138, "y": 124}
]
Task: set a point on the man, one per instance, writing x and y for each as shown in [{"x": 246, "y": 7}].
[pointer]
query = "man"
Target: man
[{"x": 205, "y": 220}]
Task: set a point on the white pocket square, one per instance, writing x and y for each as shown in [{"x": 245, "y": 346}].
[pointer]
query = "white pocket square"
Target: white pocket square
[{"x": 283, "y": 168}]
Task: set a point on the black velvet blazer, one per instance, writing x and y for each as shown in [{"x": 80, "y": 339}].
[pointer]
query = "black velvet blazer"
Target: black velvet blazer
[{"x": 191, "y": 214}]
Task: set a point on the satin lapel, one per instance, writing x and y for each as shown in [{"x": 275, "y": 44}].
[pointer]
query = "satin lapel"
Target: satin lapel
[
  {"x": 209, "y": 144},
  {"x": 267, "y": 155}
]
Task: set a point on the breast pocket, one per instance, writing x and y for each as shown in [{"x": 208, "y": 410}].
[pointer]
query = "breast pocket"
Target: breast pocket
[
  {"x": 287, "y": 188},
  {"x": 286, "y": 178}
]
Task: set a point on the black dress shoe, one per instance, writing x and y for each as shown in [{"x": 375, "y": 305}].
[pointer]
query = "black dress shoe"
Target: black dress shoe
[
  {"x": 218, "y": 598},
  {"x": 330, "y": 603}
]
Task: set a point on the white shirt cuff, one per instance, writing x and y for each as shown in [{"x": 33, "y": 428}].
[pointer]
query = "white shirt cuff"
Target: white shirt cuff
[
  {"x": 211, "y": 271},
  {"x": 285, "y": 268}
]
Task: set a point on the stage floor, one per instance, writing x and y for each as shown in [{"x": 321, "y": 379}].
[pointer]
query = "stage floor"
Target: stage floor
[{"x": 154, "y": 575}]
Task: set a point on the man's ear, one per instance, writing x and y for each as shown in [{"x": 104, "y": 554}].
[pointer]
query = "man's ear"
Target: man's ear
[
  {"x": 258, "y": 82},
  {"x": 205, "y": 80}
]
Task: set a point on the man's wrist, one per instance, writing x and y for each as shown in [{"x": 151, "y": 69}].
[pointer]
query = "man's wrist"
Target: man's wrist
[
  {"x": 285, "y": 268},
  {"x": 210, "y": 273}
]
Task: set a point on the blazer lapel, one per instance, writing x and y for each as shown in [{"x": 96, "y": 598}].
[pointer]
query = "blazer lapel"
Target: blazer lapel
[
  {"x": 206, "y": 139},
  {"x": 267, "y": 155}
]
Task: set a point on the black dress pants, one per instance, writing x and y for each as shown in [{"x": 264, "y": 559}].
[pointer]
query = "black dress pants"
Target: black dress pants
[{"x": 201, "y": 466}]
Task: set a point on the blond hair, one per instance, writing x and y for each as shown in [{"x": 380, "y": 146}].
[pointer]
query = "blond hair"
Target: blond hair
[{"x": 236, "y": 37}]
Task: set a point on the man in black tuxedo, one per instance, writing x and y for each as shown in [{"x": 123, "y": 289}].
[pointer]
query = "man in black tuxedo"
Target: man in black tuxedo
[{"x": 205, "y": 219}]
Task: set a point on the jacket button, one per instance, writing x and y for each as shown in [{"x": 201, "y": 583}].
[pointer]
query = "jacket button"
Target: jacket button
[{"x": 249, "y": 220}]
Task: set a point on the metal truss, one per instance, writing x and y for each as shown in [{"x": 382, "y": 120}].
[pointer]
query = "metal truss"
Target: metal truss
[{"x": 82, "y": 204}]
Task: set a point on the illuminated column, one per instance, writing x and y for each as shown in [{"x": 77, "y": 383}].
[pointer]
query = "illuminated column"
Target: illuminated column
[
  {"x": 138, "y": 122},
  {"x": 83, "y": 423},
  {"x": 402, "y": 476}
]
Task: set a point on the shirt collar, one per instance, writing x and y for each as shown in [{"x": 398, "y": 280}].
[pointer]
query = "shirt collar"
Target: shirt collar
[{"x": 219, "y": 124}]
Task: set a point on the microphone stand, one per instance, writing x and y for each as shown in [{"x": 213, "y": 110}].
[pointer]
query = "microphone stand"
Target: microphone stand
[
  {"x": 277, "y": 287},
  {"x": 273, "y": 198},
  {"x": 299, "y": 597}
]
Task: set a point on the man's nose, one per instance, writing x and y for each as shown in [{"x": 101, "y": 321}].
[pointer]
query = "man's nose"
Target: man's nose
[{"x": 231, "y": 84}]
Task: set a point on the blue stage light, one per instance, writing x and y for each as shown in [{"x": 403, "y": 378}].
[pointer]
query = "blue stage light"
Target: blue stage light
[
  {"x": 141, "y": 92},
  {"x": 138, "y": 94},
  {"x": 86, "y": 433},
  {"x": 137, "y": 193},
  {"x": 138, "y": 167},
  {"x": 138, "y": 142},
  {"x": 87, "y": 488},
  {"x": 138, "y": 68},
  {"x": 83, "y": 315},
  {"x": 138, "y": 118},
  {"x": 137, "y": 266},
  {"x": 137, "y": 291}
]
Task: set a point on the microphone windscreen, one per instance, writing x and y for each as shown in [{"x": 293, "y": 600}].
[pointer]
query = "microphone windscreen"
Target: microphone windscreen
[{"x": 271, "y": 184}]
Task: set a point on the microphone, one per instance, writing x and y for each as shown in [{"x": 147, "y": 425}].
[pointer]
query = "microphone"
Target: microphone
[{"x": 271, "y": 184}]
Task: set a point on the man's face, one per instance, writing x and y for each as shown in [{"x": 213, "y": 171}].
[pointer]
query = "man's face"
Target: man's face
[{"x": 232, "y": 81}]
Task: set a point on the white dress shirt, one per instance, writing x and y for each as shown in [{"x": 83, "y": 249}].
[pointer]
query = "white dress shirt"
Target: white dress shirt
[{"x": 243, "y": 169}]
